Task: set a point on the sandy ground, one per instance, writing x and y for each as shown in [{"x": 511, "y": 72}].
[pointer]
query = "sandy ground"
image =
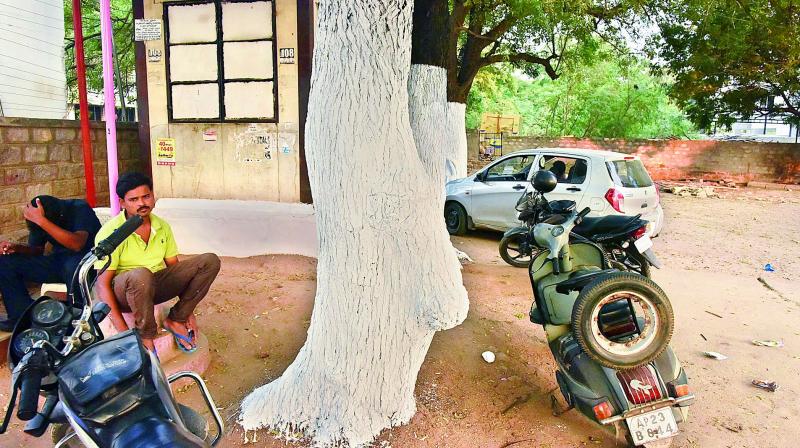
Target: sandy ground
[{"x": 714, "y": 251}]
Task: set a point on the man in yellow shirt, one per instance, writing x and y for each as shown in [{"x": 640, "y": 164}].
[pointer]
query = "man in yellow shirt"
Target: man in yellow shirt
[{"x": 144, "y": 270}]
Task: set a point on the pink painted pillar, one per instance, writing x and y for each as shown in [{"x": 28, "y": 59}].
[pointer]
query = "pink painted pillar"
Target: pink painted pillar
[{"x": 107, "y": 36}]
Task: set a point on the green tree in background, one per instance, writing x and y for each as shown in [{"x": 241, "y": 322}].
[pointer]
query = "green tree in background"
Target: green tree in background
[
  {"x": 613, "y": 96},
  {"x": 125, "y": 61},
  {"x": 729, "y": 57}
]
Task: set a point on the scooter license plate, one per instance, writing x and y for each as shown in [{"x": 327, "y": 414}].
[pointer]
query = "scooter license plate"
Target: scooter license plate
[
  {"x": 643, "y": 243},
  {"x": 652, "y": 426}
]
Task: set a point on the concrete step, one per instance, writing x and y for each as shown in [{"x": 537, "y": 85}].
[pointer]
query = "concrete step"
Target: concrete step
[{"x": 197, "y": 362}]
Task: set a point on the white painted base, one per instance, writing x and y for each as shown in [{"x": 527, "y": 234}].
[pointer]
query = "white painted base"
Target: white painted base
[{"x": 240, "y": 228}]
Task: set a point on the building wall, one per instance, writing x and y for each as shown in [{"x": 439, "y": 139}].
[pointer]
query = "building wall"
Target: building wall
[
  {"x": 46, "y": 157},
  {"x": 32, "y": 77},
  {"x": 234, "y": 166},
  {"x": 680, "y": 159}
]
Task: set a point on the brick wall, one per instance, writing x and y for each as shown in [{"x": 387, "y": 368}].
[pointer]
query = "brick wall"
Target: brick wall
[
  {"x": 46, "y": 157},
  {"x": 680, "y": 159}
]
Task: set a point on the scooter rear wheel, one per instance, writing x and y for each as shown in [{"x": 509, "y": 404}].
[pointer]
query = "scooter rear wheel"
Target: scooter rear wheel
[{"x": 614, "y": 346}]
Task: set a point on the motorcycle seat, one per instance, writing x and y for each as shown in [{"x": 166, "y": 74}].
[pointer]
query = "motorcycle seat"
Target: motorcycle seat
[
  {"x": 153, "y": 432},
  {"x": 590, "y": 227}
]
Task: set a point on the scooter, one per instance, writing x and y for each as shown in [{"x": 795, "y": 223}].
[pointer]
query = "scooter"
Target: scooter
[
  {"x": 103, "y": 392},
  {"x": 624, "y": 238},
  {"x": 609, "y": 333}
]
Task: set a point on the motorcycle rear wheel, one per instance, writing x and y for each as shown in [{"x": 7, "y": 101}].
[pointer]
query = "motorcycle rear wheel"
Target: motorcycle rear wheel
[
  {"x": 513, "y": 252},
  {"x": 652, "y": 338}
]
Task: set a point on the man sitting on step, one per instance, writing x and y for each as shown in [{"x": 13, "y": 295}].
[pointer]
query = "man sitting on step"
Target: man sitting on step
[
  {"x": 145, "y": 270},
  {"x": 69, "y": 225}
]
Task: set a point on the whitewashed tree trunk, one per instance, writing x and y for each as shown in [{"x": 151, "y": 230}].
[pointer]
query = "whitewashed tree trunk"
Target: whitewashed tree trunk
[
  {"x": 456, "y": 126},
  {"x": 387, "y": 277}
]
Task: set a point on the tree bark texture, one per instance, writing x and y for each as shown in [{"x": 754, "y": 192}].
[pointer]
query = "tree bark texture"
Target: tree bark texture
[{"x": 387, "y": 276}]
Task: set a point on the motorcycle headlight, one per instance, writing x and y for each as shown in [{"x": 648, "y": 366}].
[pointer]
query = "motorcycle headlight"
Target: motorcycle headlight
[{"x": 557, "y": 231}]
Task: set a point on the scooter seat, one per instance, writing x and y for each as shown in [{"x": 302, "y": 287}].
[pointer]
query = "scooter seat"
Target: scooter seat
[
  {"x": 153, "y": 432},
  {"x": 590, "y": 227},
  {"x": 578, "y": 281}
]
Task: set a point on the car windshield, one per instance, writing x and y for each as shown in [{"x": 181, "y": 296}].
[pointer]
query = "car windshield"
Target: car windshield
[{"x": 629, "y": 173}]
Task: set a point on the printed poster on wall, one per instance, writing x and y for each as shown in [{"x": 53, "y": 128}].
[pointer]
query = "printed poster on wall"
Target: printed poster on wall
[{"x": 165, "y": 151}]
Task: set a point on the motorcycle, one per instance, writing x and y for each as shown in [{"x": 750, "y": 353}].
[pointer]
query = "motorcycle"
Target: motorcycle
[
  {"x": 609, "y": 333},
  {"x": 102, "y": 392},
  {"x": 624, "y": 238}
]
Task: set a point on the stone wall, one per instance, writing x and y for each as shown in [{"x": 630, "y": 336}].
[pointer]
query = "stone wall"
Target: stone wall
[
  {"x": 740, "y": 161},
  {"x": 46, "y": 157}
]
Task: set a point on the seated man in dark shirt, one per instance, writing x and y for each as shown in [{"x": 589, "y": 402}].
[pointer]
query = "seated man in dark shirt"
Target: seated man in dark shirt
[{"x": 69, "y": 225}]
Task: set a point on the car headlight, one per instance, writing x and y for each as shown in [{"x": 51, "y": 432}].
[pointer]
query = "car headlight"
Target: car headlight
[{"x": 557, "y": 231}]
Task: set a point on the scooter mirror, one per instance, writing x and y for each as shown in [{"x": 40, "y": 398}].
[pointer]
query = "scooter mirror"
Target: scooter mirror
[
  {"x": 544, "y": 181},
  {"x": 100, "y": 311}
]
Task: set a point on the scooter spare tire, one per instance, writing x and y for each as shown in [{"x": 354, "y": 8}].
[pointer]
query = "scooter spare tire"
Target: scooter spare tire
[{"x": 622, "y": 320}]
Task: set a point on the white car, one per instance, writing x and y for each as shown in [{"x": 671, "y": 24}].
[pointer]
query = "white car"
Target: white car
[{"x": 609, "y": 183}]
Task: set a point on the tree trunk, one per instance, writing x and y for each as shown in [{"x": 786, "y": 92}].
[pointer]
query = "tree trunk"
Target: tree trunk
[
  {"x": 456, "y": 126},
  {"x": 387, "y": 277}
]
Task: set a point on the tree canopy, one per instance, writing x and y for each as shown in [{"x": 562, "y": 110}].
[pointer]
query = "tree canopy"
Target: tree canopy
[
  {"x": 122, "y": 22},
  {"x": 534, "y": 36},
  {"x": 729, "y": 57},
  {"x": 613, "y": 96}
]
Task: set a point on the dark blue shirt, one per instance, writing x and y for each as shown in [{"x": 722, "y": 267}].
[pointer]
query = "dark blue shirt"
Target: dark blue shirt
[{"x": 77, "y": 216}]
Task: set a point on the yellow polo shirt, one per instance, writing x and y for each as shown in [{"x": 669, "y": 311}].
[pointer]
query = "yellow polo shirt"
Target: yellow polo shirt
[{"x": 134, "y": 252}]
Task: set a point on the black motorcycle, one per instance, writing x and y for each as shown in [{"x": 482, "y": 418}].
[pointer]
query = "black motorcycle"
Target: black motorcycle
[
  {"x": 623, "y": 238},
  {"x": 106, "y": 393}
]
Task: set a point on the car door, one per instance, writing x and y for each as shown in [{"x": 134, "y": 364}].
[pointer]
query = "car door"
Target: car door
[
  {"x": 497, "y": 189},
  {"x": 573, "y": 174}
]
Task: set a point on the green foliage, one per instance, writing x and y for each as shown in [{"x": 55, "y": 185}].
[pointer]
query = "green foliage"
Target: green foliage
[
  {"x": 728, "y": 56},
  {"x": 122, "y": 22},
  {"x": 535, "y": 37},
  {"x": 612, "y": 97}
]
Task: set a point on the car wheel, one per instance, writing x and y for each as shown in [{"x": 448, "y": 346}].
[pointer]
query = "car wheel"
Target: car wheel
[{"x": 456, "y": 218}]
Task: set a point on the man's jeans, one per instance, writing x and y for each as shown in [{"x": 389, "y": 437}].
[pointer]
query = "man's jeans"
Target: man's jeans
[
  {"x": 138, "y": 290},
  {"x": 16, "y": 269}
]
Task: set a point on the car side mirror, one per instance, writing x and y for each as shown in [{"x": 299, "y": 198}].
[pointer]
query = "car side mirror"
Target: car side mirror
[{"x": 481, "y": 177}]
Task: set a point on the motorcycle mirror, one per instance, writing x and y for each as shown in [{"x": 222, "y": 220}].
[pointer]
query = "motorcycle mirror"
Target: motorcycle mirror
[
  {"x": 544, "y": 181},
  {"x": 100, "y": 311}
]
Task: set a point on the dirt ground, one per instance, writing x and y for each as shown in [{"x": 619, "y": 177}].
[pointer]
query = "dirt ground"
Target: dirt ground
[{"x": 713, "y": 251}]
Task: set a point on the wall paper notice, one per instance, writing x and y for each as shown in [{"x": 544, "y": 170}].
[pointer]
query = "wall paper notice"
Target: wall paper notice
[
  {"x": 146, "y": 29},
  {"x": 256, "y": 144},
  {"x": 165, "y": 151}
]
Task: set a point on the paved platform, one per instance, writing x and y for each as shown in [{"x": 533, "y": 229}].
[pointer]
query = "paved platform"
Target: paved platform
[{"x": 240, "y": 228}]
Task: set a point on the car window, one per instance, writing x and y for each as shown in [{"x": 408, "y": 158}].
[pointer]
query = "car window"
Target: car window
[
  {"x": 513, "y": 169},
  {"x": 568, "y": 170},
  {"x": 629, "y": 173}
]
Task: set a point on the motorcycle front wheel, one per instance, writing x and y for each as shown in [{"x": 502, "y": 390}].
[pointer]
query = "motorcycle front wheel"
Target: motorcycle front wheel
[
  {"x": 622, "y": 320},
  {"x": 516, "y": 251}
]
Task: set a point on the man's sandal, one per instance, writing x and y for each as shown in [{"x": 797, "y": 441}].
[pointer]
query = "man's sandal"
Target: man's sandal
[{"x": 187, "y": 339}]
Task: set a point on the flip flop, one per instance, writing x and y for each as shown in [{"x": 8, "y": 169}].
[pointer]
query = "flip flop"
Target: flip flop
[{"x": 187, "y": 339}]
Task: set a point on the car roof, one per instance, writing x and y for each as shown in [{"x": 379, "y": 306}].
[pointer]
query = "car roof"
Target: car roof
[{"x": 585, "y": 152}]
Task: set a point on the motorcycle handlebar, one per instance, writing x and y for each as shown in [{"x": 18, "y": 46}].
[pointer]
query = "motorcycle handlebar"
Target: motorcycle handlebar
[
  {"x": 29, "y": 395},
  {"x": 106, "y": 247}
]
